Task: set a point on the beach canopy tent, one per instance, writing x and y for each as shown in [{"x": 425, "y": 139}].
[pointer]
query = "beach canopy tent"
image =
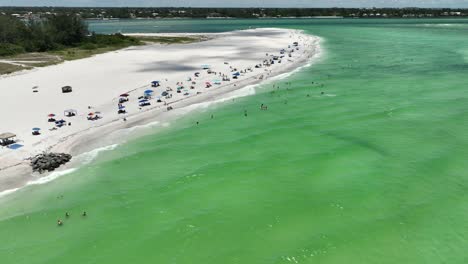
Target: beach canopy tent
[
  {"x": 7, "y": 139},
  {"x": 66, "y": 89},
  {"x": 36, "y": 131},
  {"x": 70, "y": 112}
]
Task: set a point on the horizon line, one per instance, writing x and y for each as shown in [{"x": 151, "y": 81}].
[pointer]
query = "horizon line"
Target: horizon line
[{"x": 232, "y": 7}]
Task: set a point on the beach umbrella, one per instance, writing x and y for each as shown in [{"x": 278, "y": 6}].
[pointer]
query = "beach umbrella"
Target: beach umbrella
[
  {"x": 36, "y": 129},
  {"x": 91, "y": 114},
  {"x": 51, "y": 115},
  {"x": 143, "y": 101},
  {"x": 236, "y": 74},
  {"x": 149, "y": 91},
  {"x": 121, "y": 107},
  {"x": 164, "y": 93},
  {"x": 124, "y": 95}
]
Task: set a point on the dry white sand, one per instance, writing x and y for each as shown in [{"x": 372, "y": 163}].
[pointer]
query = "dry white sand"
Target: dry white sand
[{"x": 98, "y": 81}]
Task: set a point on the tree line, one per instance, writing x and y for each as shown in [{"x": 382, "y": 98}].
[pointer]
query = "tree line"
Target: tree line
[{"x": 53, "y": 32}]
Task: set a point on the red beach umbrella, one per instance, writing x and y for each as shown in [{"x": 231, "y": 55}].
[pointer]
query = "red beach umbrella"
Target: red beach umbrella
[
  {"x": 51, "y": 115},
  {"x": 91, "y": 114},
  {"x": 124, "y": 95}
]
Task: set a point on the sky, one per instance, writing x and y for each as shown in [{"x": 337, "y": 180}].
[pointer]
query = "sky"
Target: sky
[{"x": 242, "y": 3}]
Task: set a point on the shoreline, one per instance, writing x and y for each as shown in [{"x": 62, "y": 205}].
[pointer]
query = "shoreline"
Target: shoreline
[{"x": 116, "y": 131}]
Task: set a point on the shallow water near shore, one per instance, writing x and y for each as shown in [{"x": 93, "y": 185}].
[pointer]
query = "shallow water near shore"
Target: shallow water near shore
[{"x": 371, "y": 171}]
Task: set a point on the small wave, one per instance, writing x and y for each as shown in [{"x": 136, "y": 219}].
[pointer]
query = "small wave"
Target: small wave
[
  {"x": 444, "y": 25},
  {"x": 51, "y": 177},
  {"x": 89, "y": 156},
  {"x": 6, "y": 192},
  {"x": 130, "y": 129}
]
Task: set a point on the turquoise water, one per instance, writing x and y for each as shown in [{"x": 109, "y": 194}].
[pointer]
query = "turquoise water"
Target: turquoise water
[{"x": 373, "y": 171}]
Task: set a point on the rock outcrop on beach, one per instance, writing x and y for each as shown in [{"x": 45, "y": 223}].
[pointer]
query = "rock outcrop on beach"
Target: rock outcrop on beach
[{"x": 49, "y": 161}]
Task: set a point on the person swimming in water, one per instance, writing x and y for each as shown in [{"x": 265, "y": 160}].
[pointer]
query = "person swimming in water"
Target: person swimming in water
[
  {"x": 59, "y": 222},
  {"x": 67, "y": 214},
  {"x": 84, "y": 213}
]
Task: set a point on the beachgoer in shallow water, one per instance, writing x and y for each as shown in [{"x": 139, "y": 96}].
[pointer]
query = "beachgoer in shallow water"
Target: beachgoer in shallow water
[
  {"x": 212, "y": 116},
  {"x": 322, "y": 93},
  {"x": 59, "y": 222},
  {"x": 67, "y": 215},
  {"x": 198, "y": 123},
  {"x": 84, "y": 213}
]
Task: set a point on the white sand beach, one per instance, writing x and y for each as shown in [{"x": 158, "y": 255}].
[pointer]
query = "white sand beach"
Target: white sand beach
[{"x": 98, "y": 82}]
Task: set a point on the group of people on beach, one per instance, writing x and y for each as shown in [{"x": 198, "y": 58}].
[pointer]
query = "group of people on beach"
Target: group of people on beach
[{"x": 234, "y": 71}]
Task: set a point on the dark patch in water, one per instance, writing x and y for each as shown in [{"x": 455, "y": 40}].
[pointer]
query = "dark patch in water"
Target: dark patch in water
[{"x": 357, "y": 141}]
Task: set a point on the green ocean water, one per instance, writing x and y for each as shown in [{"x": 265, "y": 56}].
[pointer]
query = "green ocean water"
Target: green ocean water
[{"x": 372, "y": 171}]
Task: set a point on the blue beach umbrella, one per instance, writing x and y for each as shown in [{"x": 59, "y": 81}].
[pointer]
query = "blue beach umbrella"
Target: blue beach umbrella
[
  {"x": 236, "y": 74},
  {"x": 121, "y": 107},
  {"x": 143, "y": 101},
  {"x": 36, "y": 129},
  {"x": 149, "y": 91}
]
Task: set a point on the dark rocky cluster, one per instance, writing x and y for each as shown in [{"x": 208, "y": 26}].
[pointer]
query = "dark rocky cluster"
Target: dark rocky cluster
[{"x": 49, "y": 161}]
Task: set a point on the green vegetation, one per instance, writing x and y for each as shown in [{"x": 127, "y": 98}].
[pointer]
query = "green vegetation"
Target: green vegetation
[
  {"x": 6, "y": 68},
  {"x": 55, "y": 33}
]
